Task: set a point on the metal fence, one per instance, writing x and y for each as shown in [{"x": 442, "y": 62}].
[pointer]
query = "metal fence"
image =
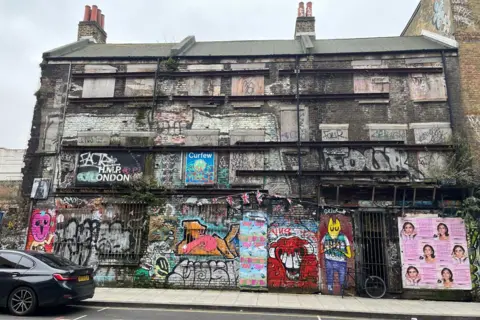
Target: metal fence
[
  {"x": 109, "y": 234},
  {"x": 376, "y": 240}
]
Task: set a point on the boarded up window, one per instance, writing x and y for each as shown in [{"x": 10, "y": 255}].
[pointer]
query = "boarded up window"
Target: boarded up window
[
  {"x": 201, "y": 137},
  {"x": 375, "y": 84},
  {"x": 334, "y": 132},
  {"x": 427, "y": 87},
  {"x": 246, "y": 160},
  {"x": 203, "y": 86},
  {"x": 387, "y": 132},
  {"x": 139, "y": 87},
  {"x": 288, "y": 124},
  {"x": 99, "y": 88},
  {"x": 431, "y": 133},
  {"x": 248, "y": 86}
]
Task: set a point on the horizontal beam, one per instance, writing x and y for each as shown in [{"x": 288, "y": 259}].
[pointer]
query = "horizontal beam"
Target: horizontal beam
[
  {"x": 172, "y": 148},
  {"x": 222, "y": 99},
  {"x": 205, "y": 191},
  {"x": 362, "y": 70},
  {"x": 351, "y": 144},
  {"x": 223, "y": 73},
  {"x": 264, "y": 72},
  {"x": 264, "y": 146},
  {"x": 320, "y": 173}
]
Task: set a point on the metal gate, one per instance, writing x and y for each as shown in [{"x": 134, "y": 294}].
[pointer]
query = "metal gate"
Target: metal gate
[
  {"x": 105, "y": 234},
  {"x": 376, "y": 238}
]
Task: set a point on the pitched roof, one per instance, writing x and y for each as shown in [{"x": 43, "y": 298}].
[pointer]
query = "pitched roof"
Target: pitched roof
[{"x": 246, "y": 48}]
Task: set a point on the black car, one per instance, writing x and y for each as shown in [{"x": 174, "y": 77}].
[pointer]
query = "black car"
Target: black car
[{"x": 30, "y": 279}]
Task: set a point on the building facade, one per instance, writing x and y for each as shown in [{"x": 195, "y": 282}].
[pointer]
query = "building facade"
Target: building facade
[
  {"x": 285, "y": 164},
  {"x": 13, "y": 224}
]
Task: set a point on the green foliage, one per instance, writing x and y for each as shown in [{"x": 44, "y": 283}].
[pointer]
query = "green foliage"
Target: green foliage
[
  {"x": 470, "y": 210},
  {"x": 140, "y": 191},
  {"x": 171, "y": 64},
  {"x": 140, "y": 117},
  {"x": 459, "y": 164}
]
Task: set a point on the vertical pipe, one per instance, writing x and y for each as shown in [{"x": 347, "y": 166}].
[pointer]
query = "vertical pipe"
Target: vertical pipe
[
  {"x": 449, "y": 105},
  {"x": 299, "y": 143},
  {"x": 154, "y": 98},
  {"x": 61, "y": 127}
]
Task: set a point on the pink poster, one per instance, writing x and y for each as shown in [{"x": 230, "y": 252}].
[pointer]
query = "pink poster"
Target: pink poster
[{"x": 434, "y": 253}]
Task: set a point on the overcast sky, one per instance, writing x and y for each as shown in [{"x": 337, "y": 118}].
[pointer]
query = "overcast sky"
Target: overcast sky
[{"x": 30, "y": 27}]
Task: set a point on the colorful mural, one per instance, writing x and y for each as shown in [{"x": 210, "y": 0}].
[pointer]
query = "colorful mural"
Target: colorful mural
[
  {"x": 336, "y": 251},
  {"x": 292, "y": 256},
  {"x": 253, "y": 250},
  {"x": 42, "y": 229},
  {"x": 196, "y": 241},
  {"x": 200, "y": 168}
]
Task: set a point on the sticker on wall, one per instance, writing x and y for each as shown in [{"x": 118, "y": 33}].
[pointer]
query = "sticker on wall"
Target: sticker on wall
[
  {"x": 434, "y": 254},
  {"x": 40, "y": 189},
  {"x": 200, "y": 168}
]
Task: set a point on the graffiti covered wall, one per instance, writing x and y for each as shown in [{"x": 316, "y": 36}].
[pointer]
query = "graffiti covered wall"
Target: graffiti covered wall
[
  {"x": 336, "y": 254},
  {"x": 292, "y": 256}
]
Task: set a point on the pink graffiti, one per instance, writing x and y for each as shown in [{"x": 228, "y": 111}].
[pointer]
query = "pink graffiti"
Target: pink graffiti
[
  {"x": 40, "y": 225},
  {"x": 207, "y": 242}
]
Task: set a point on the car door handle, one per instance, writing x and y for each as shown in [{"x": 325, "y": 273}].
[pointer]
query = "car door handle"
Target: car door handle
[{"x": 15, "y": 274}]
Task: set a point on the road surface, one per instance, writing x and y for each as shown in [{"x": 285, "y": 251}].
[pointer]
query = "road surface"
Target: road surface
[{"x": 98, "y": 313}]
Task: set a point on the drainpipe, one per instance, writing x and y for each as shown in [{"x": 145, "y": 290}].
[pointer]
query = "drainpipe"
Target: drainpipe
[
  {"x": 299, "y": 142},
  {"x": 444, "y": 62},
  {"x": 61, "y": 129}
]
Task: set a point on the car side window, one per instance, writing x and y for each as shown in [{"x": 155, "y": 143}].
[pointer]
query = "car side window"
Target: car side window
[
  {"x": 25, "y": 263},
  {"x": 9, "y": 260}
]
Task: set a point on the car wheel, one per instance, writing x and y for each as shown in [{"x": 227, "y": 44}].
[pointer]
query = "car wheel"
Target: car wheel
[{"x": 22, "y": 301}]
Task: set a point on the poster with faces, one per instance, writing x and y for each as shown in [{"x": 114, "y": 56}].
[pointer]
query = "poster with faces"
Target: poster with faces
[{"x": 434, "y": 254}]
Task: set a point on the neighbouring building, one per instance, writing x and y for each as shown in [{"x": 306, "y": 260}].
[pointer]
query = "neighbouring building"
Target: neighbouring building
[
  {"x": 286, "y": 164},
  {"x": 13, "y": 226}
]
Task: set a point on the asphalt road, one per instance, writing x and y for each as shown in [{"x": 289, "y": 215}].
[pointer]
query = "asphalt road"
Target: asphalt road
[{"x": 91, "y": 313}]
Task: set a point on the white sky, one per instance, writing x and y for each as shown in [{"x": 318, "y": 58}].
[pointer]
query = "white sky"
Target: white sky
[{"x": 31, "y": 27}]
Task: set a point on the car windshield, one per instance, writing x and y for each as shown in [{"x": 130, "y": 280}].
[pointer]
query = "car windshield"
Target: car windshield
[{"x": 54, "y": 261}]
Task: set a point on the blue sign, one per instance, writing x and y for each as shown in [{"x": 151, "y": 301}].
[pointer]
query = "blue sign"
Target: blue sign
[{"x": 200, "y": 168}]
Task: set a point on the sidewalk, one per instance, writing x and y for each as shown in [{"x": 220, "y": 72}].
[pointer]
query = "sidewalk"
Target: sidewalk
[{"x": 323, "y": 305}]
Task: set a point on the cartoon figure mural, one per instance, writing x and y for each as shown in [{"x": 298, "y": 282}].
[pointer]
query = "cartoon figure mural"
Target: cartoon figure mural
[
  {"x": 196, "y": 241},
  {"x": 42, "y": 229},
  {"x": 292, "y": 255},
  {"x": 336, "y": 251}
]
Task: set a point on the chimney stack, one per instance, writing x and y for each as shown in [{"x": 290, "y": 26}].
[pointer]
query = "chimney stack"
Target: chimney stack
[
  {"x": 92, "y": 26},
  {"x": 305, "y": 24}
]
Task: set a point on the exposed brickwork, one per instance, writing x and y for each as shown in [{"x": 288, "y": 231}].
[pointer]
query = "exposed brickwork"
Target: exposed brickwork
[{"x": 91, "y": 29}]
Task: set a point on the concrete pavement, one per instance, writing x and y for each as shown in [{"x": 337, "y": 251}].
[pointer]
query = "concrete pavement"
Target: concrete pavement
[{"x": 322, "y": 305}]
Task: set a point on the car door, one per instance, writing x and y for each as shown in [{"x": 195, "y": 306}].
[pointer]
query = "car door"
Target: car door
[{"x": 8, "y": 274}]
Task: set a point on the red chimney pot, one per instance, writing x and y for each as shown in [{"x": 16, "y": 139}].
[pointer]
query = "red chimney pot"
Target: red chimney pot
[
  {"x": 103, "y": 22},
  {"x": 88, "y": 11},
  {"x": 94, "y": 15},
  {"x": 309, "y": 9},
  {"x": 301, "y": 9}
]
